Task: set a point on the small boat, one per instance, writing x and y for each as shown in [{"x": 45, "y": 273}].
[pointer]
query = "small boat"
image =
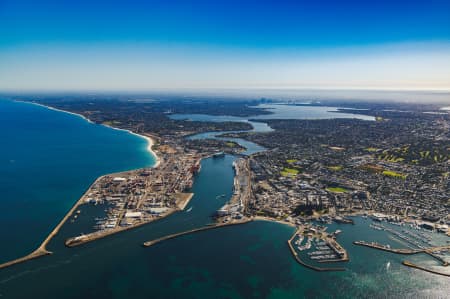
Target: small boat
[
  {"x": 188, "y": 210},
  {"x": 220, "y": 196}
]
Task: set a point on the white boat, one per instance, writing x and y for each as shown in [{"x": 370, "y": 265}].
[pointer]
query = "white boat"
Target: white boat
[{"x": 188, "y": 210}]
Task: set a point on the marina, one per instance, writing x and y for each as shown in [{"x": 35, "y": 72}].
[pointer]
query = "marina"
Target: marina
[{"x": 326, "y": 248}]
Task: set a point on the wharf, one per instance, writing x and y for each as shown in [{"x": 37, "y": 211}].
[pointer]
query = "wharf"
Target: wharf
[
  {"x": 80, "y": 240},
  {"x": 182, "y": 202},
  {"x": 184, "y": 199}
]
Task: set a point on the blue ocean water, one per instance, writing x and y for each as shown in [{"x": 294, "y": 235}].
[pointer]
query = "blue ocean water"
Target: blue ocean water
[{"x": 47, "y": 160}]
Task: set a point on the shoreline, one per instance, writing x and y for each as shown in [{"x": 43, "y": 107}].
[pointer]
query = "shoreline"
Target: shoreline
[
  {"x": 150, "y": 140},
  {"x": 56, "y": 109},
  {"x": 41, "y": 250},
  {"x": 268, "y": 219}
]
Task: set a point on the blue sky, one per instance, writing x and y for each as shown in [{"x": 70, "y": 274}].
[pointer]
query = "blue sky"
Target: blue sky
[{"x": 139, "y": 45}]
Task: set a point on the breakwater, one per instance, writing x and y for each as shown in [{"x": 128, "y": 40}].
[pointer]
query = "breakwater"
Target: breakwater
[
  {"x": 195, "y": 230},
  {"x": 42, "y": 249},
  {"x": 412, "y": 265}
]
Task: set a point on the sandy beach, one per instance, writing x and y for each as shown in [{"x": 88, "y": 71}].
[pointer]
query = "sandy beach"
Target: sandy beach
[
  {"x": 262, "y": 218},
  {"x": 56, "y": 109}
]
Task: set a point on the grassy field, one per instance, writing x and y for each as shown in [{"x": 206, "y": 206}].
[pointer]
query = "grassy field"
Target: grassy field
[
  {"x": 289, "y": 172},
  {"x": 335, "y": 168},
  {"x": 421, "y": 153},
  {"x": 337, "y": 189},
  {"x": 394, "y": 174},
  {"x": 111, "y": 123}
]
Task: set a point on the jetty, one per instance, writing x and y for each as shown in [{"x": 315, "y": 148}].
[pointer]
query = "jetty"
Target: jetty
[{"x": 195, "y": 230}]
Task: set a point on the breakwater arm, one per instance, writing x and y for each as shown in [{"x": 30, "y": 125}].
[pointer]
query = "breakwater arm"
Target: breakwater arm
[
  {"x": 42, "y": 249},
  {"x": 209, "y": 227}
]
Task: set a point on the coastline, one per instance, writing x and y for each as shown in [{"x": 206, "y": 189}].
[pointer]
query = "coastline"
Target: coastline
[
  {"x": 56, "y": 109},
  {"x": 41, "y": 250},
  {"x": 150, "y": 140}
]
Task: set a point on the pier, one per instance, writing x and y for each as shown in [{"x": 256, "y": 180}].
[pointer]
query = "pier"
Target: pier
[
  {"x": 184, "y": 200},
  {"x": 195, "y": 230}
]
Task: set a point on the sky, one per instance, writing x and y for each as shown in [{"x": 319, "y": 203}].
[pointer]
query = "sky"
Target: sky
[{"x": 144, "y": 45}]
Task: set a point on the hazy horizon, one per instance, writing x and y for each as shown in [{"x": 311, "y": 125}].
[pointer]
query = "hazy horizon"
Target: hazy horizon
[
  {"x": 135, "y": 46},
  {"x": 296, "y": 95}
]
